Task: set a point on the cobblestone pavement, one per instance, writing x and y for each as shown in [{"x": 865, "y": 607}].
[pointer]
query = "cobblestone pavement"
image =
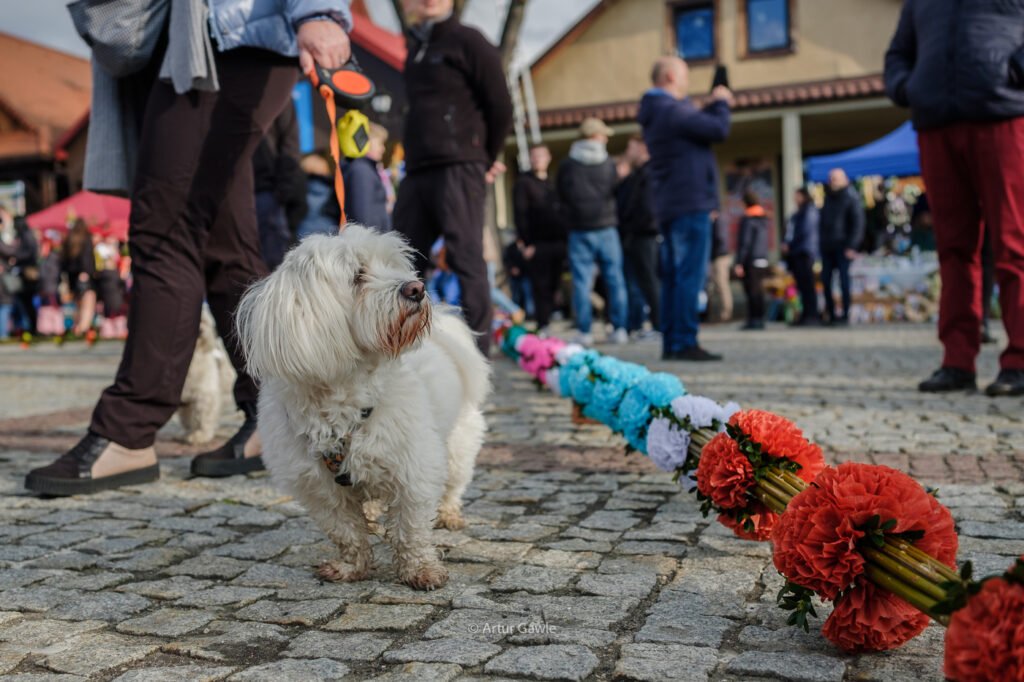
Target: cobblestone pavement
[{"x": 578, "y": 563}]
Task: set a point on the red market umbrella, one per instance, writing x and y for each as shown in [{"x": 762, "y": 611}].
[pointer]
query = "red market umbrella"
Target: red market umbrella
[{"x": 104, "y": 214}]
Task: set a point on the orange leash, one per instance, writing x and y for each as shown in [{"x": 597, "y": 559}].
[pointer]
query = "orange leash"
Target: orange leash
[{"x": 339, "y": 183}]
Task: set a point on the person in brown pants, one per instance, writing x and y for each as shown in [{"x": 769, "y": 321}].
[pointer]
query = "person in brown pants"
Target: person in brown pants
[{"x": 192, "y": 234}]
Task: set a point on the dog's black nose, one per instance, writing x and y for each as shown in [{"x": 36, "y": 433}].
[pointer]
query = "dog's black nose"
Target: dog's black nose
[{"x": 413, "y": 291}]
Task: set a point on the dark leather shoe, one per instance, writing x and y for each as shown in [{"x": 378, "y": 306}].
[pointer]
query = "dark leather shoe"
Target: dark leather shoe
[
  {"x": 753, "y": 325},
  {"x": 229, "y": 459},
  {"x": 79, "y": 471},
  {"x": 948, "y": 379},
  {"x": 1009, "y": 382},
  {"x": 691, "y": 354}
]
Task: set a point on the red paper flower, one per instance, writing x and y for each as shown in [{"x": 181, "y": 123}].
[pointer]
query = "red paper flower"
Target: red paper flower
[
  {"x": 816, "y": 539},
  {"x": 985, "y": 639},
  {"x": 724, "y": 474},
  {"x": 764, "y": 522},
  {"x": 780, "y": 437},
  {"x": 867, "y": 618}
]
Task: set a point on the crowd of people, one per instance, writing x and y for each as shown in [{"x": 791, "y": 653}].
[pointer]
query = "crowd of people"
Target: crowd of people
[{"x": 61, "y": 284}]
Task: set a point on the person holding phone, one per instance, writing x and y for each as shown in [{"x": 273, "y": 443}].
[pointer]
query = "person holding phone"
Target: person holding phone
[
  {"x": 959, "y": 66},
  {"x": 192, "y": 230},
  {"x": 684, "y": 176}
]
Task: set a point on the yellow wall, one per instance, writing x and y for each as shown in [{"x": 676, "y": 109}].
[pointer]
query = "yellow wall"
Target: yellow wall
[{"x": 611, "y": 60}]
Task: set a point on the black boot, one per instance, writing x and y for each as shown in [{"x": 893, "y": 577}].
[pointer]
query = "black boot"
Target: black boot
[
  {"x": 948, "y": 379},
  {"x": 1009, "y": 382},
  {"x": 229, "y": 459}
]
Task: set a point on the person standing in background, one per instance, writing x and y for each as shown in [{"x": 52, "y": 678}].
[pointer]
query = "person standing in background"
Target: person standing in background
[
  {"x": 684, "y": 175},
  {"x": 638, "y": 229},
  {"x": 959, "y": 66},
  {"x": 279, "y": 183},
  {"x": 366, "y": 198},
  {"x": 586, "y": 187},
  {"x": 541, "y": 233},
  {"x": 841, "y": 232},
  {"x": 460, "y": 111},
  {"x": 752, "y": 258},
  {"x": 800, "y": 249},
  {"x": 78, "y": 264},
  {"x": 721, "y": 269}
]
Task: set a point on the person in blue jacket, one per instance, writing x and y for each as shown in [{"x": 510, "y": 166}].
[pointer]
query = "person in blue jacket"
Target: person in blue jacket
[
  {"x": 226, "y": 71},
  {"x": 366, "y": 199},
  {"x": 800, "y": 249},
  {"x": 684, "y": 177}
]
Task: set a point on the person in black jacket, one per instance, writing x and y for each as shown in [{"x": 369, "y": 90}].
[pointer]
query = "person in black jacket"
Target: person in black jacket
[
  {"x": 586, "y": 186},
  {"x": 959, "y": 66},
  {"x": 841, "y": 231},
  {"x": 280, "y": 187},
  {"x": 752, "y": 258},
  {"x": 638, "y": 229},
  {"x": 459, "y": 114},
  {"x": 541, "y": 232},
  {"x": 366, "y": 198},
  {"x": 800, "y": 247}
]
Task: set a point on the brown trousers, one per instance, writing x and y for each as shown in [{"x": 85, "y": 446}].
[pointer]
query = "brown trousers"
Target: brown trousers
[{"x": 192, "y": 232}]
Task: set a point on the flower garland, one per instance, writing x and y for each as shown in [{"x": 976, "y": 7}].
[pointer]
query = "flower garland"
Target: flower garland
[{"x": 868, "y": 538}]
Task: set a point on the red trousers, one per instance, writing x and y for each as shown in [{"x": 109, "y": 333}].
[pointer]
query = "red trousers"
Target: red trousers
[{"x": 974, "y": 174}]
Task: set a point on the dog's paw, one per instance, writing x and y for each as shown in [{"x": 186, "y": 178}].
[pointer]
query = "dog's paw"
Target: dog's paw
[
  {"x": 450, "y": 520},
  {"x": 341, "y": 572},
  {"x": 425, "y": 577}
]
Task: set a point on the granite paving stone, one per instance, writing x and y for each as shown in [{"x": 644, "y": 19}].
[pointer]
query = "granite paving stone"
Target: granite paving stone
[
  {"x": 177, "y": 673},
  {"x": 461, "y": 651},
  {"x": 551, "y": 662},
  {"x": 166, "y": 622},
  {"x": 381, "y": 617},
  {"x": 305, "y": 670},
  {"x": 356, "y": 646},
  {"x": 307, "y": 612}
]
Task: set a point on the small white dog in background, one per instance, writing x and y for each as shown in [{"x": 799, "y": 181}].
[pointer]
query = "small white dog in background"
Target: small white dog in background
[
  {"x": 210, "y": 377},
  {"x": 367, "y": 394}
]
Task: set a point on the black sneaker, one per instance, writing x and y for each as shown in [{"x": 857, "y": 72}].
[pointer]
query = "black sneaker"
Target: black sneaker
[
  {"x": 229, "y": 459},
  {"x": 72, "y": 472},
  {"x": 691, "y": 354},
  {"x": 948, "y": 379},
  {"x": 1009, "y": 382},
  {"x": 753, "y": 325},
  {"x": 986, "y": 336}
]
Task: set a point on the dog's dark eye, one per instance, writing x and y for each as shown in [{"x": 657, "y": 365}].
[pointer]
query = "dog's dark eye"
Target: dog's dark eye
[{"x": 360, "y": 277}]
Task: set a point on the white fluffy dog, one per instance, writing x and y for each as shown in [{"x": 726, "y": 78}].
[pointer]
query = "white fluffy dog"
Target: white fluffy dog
[
  {"x": 366, "y": 396},
  {"x": 210, "y": 376}
]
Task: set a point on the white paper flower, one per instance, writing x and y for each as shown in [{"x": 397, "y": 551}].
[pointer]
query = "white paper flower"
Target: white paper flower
[
  {"x": 551, "y": 381},
  {"x": 701, "y": 411},
  {"x": 728, "y": 411},
  {"x": 666, "y": 445},
  {"x": 563, "y": 354}
]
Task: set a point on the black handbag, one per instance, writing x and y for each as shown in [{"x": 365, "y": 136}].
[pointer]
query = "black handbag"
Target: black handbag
[{"x": 122, "y": 33}]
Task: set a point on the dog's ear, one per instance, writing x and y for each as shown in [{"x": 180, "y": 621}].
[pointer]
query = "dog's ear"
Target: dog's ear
[{"x": 293, "y": 326}]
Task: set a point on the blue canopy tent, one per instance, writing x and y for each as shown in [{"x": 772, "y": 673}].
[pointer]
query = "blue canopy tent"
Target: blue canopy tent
[{"x": 893, "y": 154}]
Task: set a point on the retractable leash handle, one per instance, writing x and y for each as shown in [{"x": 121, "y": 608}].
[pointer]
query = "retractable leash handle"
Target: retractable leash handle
[{"x": 351, "y": 89}]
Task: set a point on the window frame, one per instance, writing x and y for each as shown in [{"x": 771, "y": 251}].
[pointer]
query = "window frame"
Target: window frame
[
  {"x": 743, "y": 25},
  {"x": 674, "y": 8}
]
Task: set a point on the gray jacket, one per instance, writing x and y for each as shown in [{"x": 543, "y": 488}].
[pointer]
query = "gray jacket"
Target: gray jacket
[{"x": 267, "y": 24}]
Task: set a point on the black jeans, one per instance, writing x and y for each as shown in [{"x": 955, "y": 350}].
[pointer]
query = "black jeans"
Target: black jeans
[
  {"x": 833, "y": 261},
  {"x": 448, "y": 201},
  {"x": 753, "y": 287},
  {"x": 802, "y": 267},
  {"x": 640, "y": 266},
  {"x": 192, "y": 232},
  {"x": 545, "y": 270}
]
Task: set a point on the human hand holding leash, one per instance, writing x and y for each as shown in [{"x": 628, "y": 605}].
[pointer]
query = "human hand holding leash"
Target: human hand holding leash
[
  {"x": 494, "y": 171},
  {"x": 324, "y": 43}
]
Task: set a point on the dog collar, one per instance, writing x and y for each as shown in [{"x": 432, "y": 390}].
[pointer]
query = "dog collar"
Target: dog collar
[{"x": 334, "y": 459}]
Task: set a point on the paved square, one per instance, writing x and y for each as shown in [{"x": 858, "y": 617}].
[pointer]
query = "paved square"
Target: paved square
[{"x": 578, "y": 563}]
